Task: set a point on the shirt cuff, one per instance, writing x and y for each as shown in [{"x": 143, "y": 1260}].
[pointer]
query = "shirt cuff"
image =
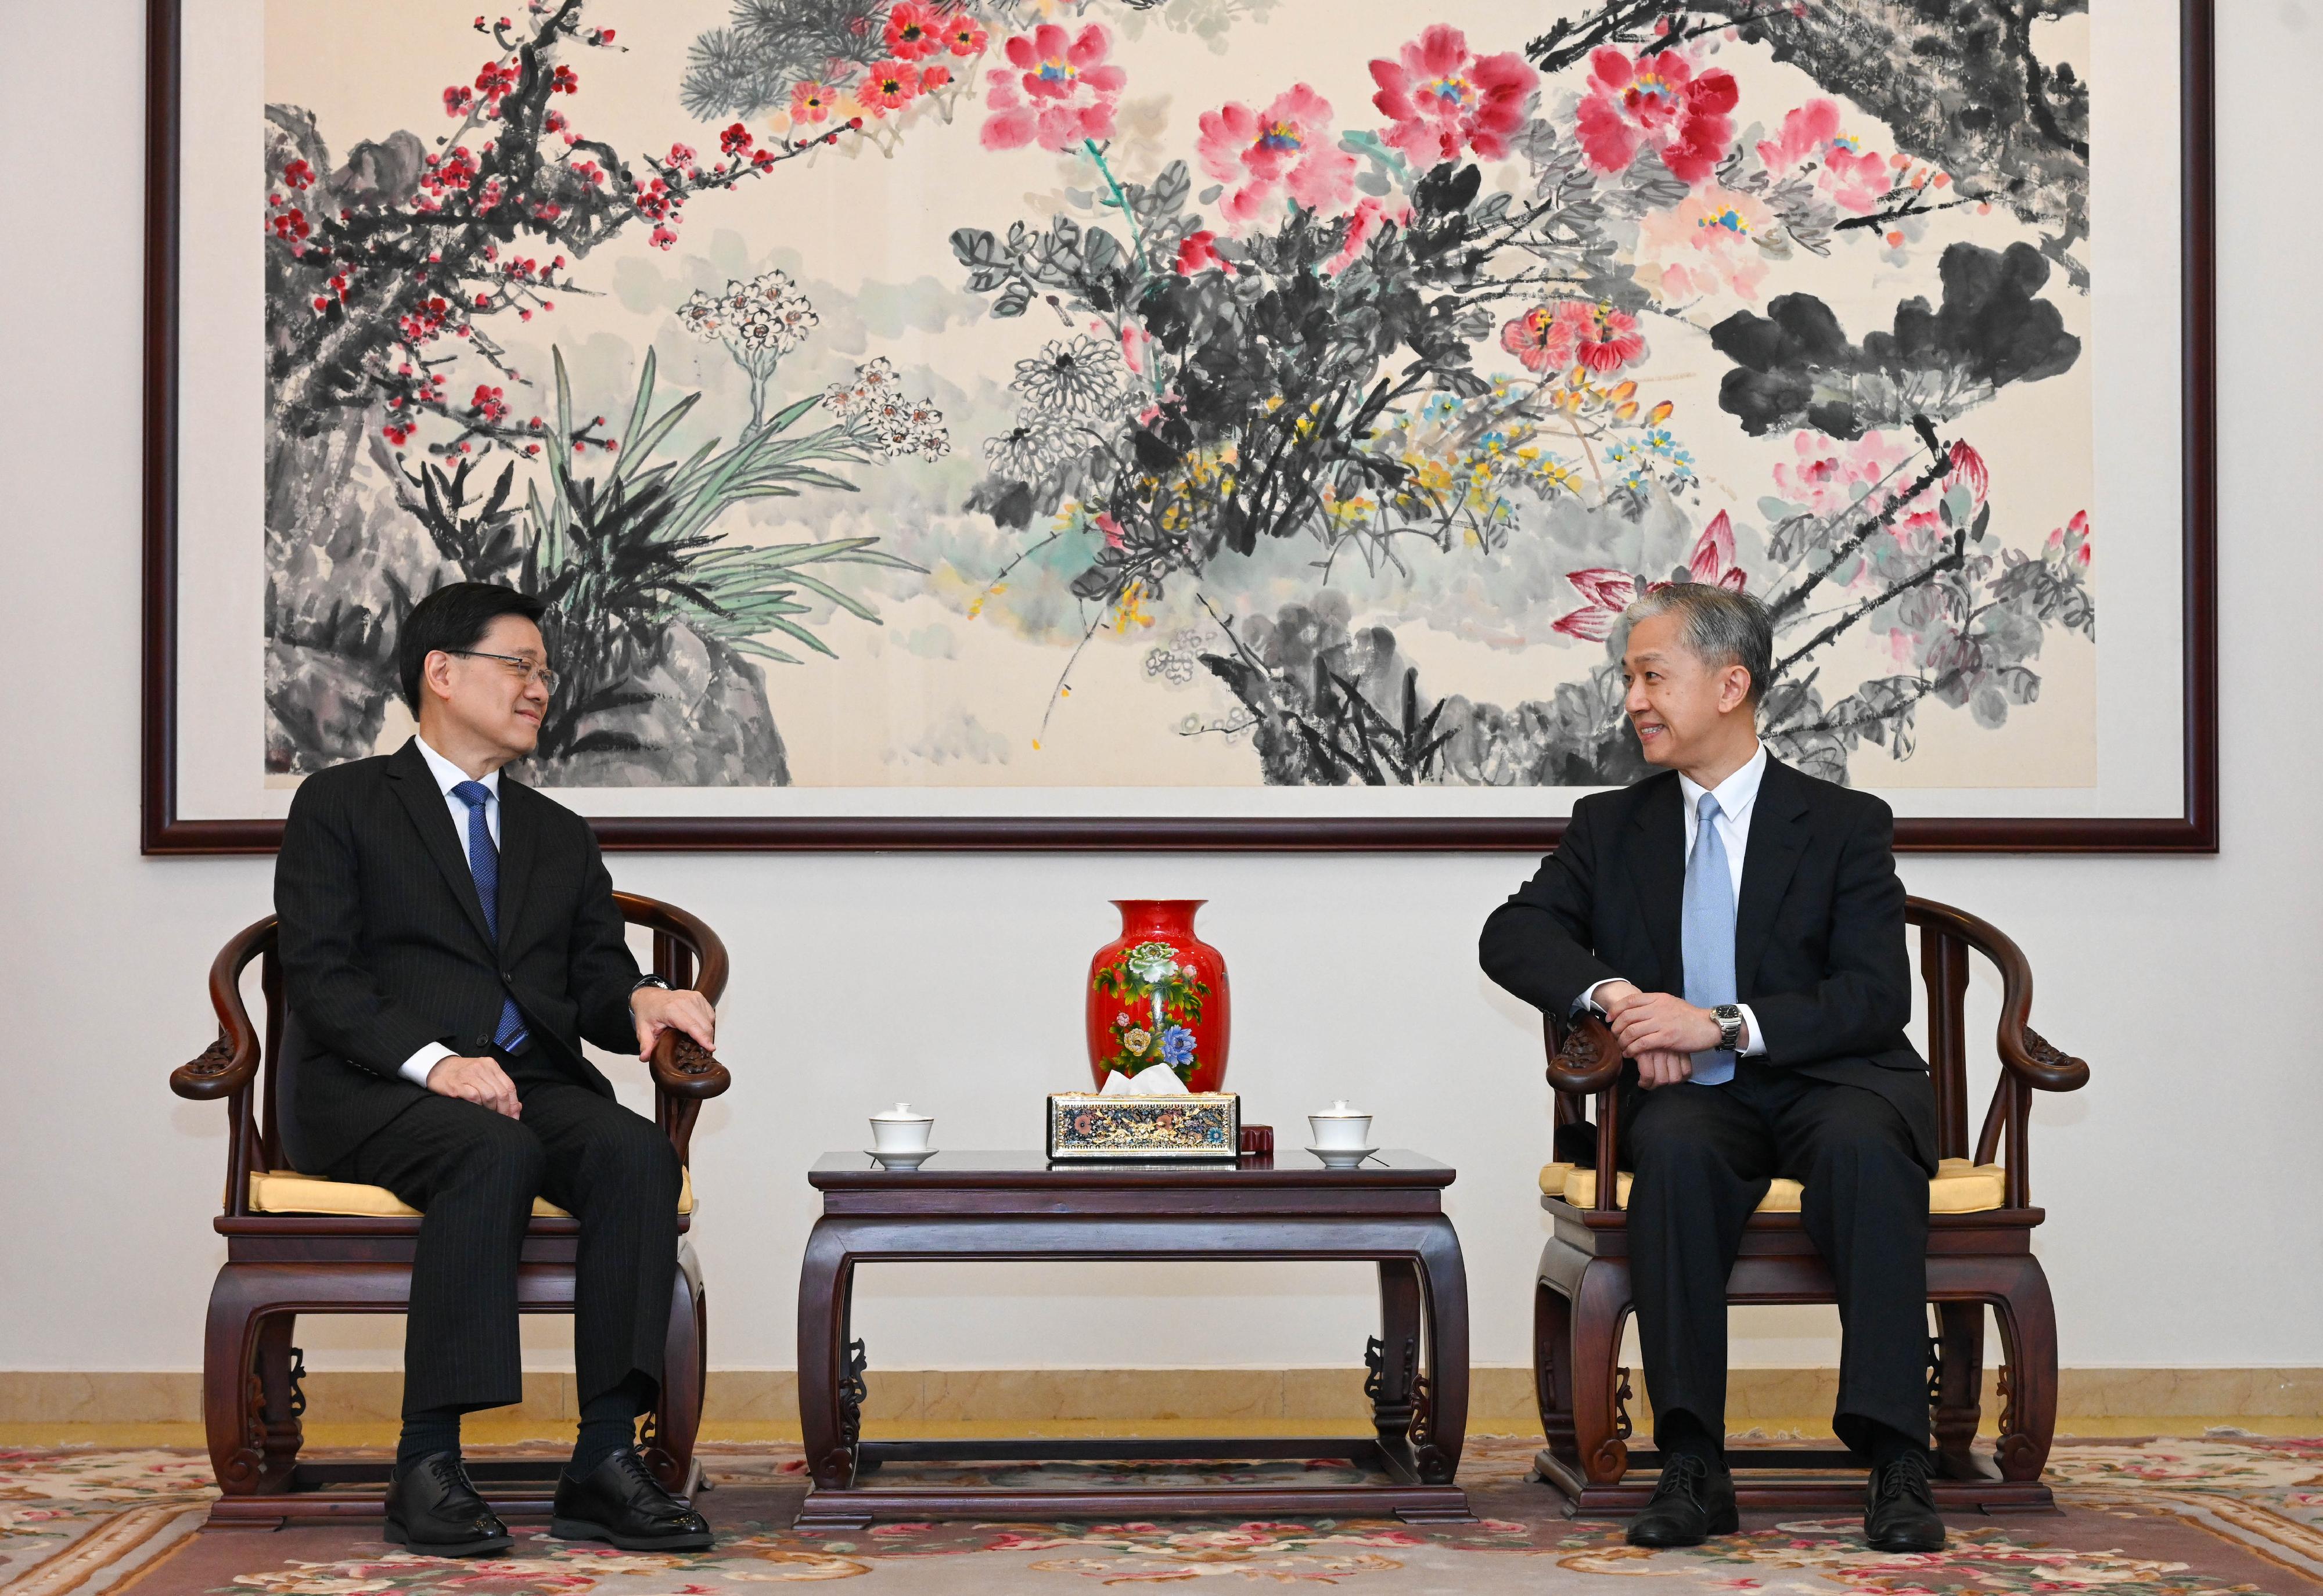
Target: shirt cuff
[
  {"x": 1587, "y": 1000},
  {"x": 1757, "y": 1045},
  {"x": 415, "y": 1067}
]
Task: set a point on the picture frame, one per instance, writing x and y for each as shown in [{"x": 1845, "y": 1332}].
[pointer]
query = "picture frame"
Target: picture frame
[{"x": 2174, "y": 808}]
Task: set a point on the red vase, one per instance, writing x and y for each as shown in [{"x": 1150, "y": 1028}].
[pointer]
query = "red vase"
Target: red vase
[{"x": 1157, "y": 995}]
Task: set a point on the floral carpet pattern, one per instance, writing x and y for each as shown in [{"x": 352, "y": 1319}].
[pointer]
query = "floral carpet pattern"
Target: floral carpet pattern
[{"x": 2224, "y": 1513}]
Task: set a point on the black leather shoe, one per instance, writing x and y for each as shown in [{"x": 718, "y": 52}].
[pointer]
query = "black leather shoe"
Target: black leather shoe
[
  {"x": 1899, "y": 1508},
  {"x": 1692, "y": 1503},
  {"x": 620, "y": 1501},
  {"x": 433, "y": 1508}
]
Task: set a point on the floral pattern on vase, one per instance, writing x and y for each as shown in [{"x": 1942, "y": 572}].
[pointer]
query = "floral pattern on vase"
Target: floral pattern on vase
[{"x": 1157, "y": 995}]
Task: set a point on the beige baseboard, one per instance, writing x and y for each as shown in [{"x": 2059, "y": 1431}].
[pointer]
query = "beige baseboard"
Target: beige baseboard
[{"x": 1500, "y": 1397}]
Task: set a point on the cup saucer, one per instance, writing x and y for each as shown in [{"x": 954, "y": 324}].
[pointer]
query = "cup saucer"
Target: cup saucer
[
  {"x": 901, "y": 1160},
  {"x": 1342, "y": 1157}
]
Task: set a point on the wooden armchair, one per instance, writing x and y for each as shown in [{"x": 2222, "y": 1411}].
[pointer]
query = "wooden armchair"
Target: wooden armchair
[
  {"x": 1979, "y": 1252},
  {"x": 297, "y": 1244}
]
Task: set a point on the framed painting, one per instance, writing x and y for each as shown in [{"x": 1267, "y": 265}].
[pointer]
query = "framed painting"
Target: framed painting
[{"x": 1218, "y": 424}]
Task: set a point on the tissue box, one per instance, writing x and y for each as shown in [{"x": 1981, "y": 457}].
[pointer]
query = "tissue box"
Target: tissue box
[{"x": 1091, "y": 1126}]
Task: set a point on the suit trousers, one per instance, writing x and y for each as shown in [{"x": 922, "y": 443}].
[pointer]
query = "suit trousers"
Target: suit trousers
[
  {"x": 1703, "y": 1156},
  {"x": 474, "y": 1173}
]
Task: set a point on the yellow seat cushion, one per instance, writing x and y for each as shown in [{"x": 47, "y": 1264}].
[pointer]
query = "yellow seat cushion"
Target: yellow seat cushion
[
  {"x": 286, "y": 1191},
  {"x": 1958, "y": 1187}
]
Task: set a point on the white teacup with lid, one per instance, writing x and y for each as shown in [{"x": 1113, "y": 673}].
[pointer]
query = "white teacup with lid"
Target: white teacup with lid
[
  {"x": 900, "y": 1131},
  {"x": 1340, "y": 1129}
]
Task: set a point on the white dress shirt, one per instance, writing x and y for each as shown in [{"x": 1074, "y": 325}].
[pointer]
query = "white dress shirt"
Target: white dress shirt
[
  {"x": 449, "y": 775},
  {"x": 1738, "y": 795}
]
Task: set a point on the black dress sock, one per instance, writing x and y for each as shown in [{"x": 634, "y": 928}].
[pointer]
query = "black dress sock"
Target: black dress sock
[
  {"x": 609, "y": 1422},
  {"x": 1886, "y": 1444},
  {"x": 1679, "y": 1431},
  {"x": 425, "y": 1433}
]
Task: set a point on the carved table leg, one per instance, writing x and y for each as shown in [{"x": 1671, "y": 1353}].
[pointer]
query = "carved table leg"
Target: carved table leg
[
  {"x": 1959, "y": 1386},
  {"x": 830, "y": 1368},
  {"x": 1440, "y": 1419},
  {"x": 1393, "y": 1357}
]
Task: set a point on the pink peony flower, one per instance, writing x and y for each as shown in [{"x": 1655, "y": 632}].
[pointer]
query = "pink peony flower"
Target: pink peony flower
[
  {"x": 1443, "y": 99},
  {"x": 1655, "y": 103},
  {"x": 1705, "y": 246},
  {"x": 1288, "y": 145},
  {"x": 1056, "y": 90},
  {"x": 1853, "y": 179}
]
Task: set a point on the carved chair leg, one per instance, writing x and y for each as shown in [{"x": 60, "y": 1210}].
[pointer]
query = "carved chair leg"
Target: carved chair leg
[
  {"x": 1957, "y": 1398},
  {"x": 1601, "y": 1306},
  {"x": 234, "y": 1404},
  {"x": 277, "y": 1372},
  {"x": 1552, "y": 1368},
  {"x": 675, "y": 1424},
  {"x": 2027, "y": 1319}
]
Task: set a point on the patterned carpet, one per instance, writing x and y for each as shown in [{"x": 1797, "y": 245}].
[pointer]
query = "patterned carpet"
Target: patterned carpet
[{"x": 2227, "y": 1512}]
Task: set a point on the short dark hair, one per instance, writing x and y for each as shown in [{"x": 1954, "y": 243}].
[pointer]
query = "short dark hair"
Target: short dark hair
[
  {"x": 453, "y": 618},
  {"x": 1721, "y": 627}
]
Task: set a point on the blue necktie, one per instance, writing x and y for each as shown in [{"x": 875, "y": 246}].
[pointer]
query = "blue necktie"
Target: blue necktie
[
  {"x": 484, "y": 861},
  {"x": 1708, "y": 948}
]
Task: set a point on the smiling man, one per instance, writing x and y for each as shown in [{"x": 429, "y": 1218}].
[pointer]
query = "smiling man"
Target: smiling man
[
  {"x": 1739, "y": 925},
  {"x": 449, "y": 938}
]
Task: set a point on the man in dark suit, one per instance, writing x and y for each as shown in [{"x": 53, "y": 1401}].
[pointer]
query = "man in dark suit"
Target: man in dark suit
[
  {"x": 1741, "y": 927},
  {"x": 449, "y": 938}
]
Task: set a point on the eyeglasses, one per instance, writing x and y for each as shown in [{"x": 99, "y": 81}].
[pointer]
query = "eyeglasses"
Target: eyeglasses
[{"x": 524, "y": 668}]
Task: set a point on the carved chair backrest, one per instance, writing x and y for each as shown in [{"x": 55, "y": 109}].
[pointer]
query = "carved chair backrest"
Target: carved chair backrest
[
  {"x": 243, "y": 1065},
  {"x": 1947, "y": 937}
]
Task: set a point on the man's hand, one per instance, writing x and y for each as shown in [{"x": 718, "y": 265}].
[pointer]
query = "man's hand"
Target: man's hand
[
  {"x": 481, "y": 1082},
  {"x": 1660, "y": 1068},
  {"x": 1657, "y": 1021},
  {"x": 657, "y": 1009}
]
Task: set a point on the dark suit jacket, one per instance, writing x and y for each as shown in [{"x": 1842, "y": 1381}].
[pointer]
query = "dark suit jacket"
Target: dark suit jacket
[
  {"x": 1819, "y": 950},
  {"x": 384, "y": 947}
]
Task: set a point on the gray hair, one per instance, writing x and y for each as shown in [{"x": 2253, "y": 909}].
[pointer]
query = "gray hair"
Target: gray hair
[{"x": 1722, "y": 627}]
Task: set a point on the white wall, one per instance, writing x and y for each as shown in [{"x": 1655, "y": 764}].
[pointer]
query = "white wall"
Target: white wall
[{"x": 955, "y": 980}]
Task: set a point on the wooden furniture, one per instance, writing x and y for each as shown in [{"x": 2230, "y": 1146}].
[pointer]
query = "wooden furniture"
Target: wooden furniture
[
  {"x": 1016, "y": 1206},
  {"x": 280, "y": 1265},
  {"x": 1974, "y": 1258}
]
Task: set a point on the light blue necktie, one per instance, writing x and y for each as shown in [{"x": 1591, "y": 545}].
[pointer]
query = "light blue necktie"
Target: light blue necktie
[
  {"x": 484, "y": 861},
  {"x": 1708, "y": 948}
]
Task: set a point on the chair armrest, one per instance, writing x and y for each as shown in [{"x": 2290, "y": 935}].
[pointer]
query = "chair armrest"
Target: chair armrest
[
  {"x": 1588, "y": 1059},
  {"x": 684, "y": 1067},
  {"x": 222, "y": 1070},
  {"x": 2031, "y": 1058},
  {"x": 2024, "y": 1051}
]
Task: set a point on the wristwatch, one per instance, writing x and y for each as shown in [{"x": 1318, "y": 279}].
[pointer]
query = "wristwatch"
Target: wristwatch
[
  {"x": 1729, "y": 1026},
  {"x": 646, "y": 981}
]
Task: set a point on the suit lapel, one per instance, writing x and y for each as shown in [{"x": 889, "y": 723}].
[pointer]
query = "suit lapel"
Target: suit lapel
[
  {"x": 1659, "y": 876},
  {"x": 519, "y": 843},
  {"x": 1778, "y": 836},
  {"x": 414, "y": 785}
]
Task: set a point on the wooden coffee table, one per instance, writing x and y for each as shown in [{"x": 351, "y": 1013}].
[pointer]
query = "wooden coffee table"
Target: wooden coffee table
[{"x": 1016, "y": 1206}]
